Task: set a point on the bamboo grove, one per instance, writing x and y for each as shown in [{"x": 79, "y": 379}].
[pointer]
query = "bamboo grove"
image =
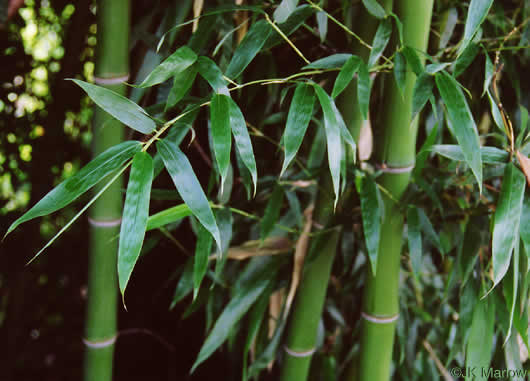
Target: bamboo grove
[{"x": 356, "y": 222}]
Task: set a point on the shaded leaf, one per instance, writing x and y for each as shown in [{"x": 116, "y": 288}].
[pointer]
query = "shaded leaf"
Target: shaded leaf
[
  {"x": 480, "y": 341},
  {"x": 184, "y": 285},
  {"x": 428, "y": 229},
  {"x": 298, "y": 118},
  {"x": 477, "y": 12},
  {"x": 181, "y": 84},
  {"x": 422, "y": 92},
  {"x": 465, "y": 59},
  {"x": 333, "y": 61},
  {"x": 121, "y": 108},
  {"x": 414, "y": 240},
  {"x": 506, "y": 220},
  {"x": 222, "y": 139},
  {"x": 242, "y": 139},
  {"x": 525, "y": 225},
  {"x": 188, "y": 186},
  {"x": 371, "y": 216},
  {"x": 345, "y": 76},
  {"x": 272, "y": 212},
  {"x": 462, "y": 121},
  {"x": 382, "y": 36},
  {"x": 364, "y": 88},
  {"x": 400, "y": 71},
  {"x": 88, "y": 176},
  {"x": 413, "y": 60},
  {"x": 213, "y": 75},
  {"x": 248, "y": 48},
  {"x": 203, "y": 247},
  {"x": 176, "y": 63},
  {"x": 374, "y": 8},
  {"x": 135, "y": 214}
]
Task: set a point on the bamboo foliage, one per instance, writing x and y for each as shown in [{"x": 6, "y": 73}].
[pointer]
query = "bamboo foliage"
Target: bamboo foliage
[{"x": 383, "y": 76}]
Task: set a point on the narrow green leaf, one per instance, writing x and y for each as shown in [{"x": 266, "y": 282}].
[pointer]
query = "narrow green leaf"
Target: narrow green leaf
[
  {"x": 400, "y": 71},
  {"x": 203, "y": 248},
  {"x": 272, "y": 212},
  {"x": 465, "y": 59},
  {"x": 88, "y": 176},
  {"x": 121, "y": 108},
  {"x": 364, "y": 88},
  {"x": 188, "y": 186},
  {"x": 322, "y": 23},
  {"x": 428, "y": 229},
  {"x": 490, "y": 155},
  {"x": 422, "y": 92},
  {"x": 284, "y": 10},
  {"x": 346, "y": 74},
  {"x": 298, "y": 119},
  {"x": 333, "y": 138},
  {"x": 371, "y": 216},
  {"x": 522, "y": 128},
  {"x": 181, "y": 84},
  {"x": 184, "y": 285},
  {"x": 381, "y": 38},
  {"x": 333, "y": 61},
  {"x": 510, "y": 288},
  {"x": 462, "y": 121},
  {"x": 478, "y": 10},
  {"x": 135, "y": 214},
  {"x": 344, "y": 132},
  {"x": 374, "y": 8},
  {"x": 176, "y": 63},
  {"x": 480, "y": 341},
  {"x": 525, "y": 225},
  {"x": 413, "y": 60},
  {"x": 222, "y": 139},
  {"x": 414, "y": 240},
  {"x": 242, "y": 139},
  {"x": 239, "y": 304},
  {"x": 168, "y": 216},
  {"x": 213, "y": 75},
  {"x": 506, "y": 221},
  {"x": 248, "y": 48},
  {"x": 436, "y": 67},
  {"x": 295, "y": 20}
]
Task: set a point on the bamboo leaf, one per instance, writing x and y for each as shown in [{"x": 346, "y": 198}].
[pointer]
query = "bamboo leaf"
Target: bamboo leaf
[
  {"x": 88, "y": 176},
  {"x": 121, "y": 108},
  {"x": 525, "y": 225},
  {"x": 374, "y": 8},
  {"x": 188, "y": 186},
  {"x": 510, "y": 288},
  {"x": 465, "y": 59},
  {"x": 243, "y": 142},
  {"x": 422, "y": 92},
  {"x": 135, "y": 214},
  {"x": 371, "y": 216},
  {"x": 200, "y": 263},
  {"x": 272, "y": 212},
  {"x": 248, "y": 48},
  {"x": 400, "y": 71},
  {"x": 414, "y": 240},
  {"x": 298, "y": 119},
  {"x": 462, "y": 121},
  {"x": 246, "y": 294},
  {"x": 184, "y": 285},
  {"x": 413, "y": 60},
  {"x": 506, "y": 221},
  {"x": 168, "y": 216},
  {"x": 222, "y": 139},
  {"x": 480, "y": 341},
  {"x": 284, "y": 10},
  {"x": 322, "y": 23},
  {"x": 428, "y": 229},
  {"x": 333, "y": 137},
  {"x": 333, "y": 61},
  {"x": 213, "y": 75},
  {"x": 346, "y": 74},
  {"x": 364, "y": 88},
  {"x": 176, "y": 63},
  {"x": 295, "y": 20},
  {"x": 490, "y": 155},
  {"x": 478, "y": 10},
  {"x": 381, "y": 38},
  {"x": 181, "y": 84}
]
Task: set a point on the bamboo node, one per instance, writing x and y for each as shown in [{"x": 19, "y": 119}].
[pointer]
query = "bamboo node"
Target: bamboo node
[
  {"x": 111, "y": 80},
  {"x": 101, "y": 343},
  {"x": 386, "y": 169},
  {"x": 379, "y": 319},
  {"x": 104, "y": 224},
  {"x": 292, "y": 353}
]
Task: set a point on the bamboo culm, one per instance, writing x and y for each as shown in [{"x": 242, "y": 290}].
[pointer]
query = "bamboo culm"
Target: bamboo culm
[{"x": 111, "y": 70}]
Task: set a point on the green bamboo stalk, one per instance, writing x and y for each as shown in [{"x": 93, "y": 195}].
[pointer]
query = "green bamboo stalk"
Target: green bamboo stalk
[
  {"x": 111, "y": 70},
  {"x": 311, "y": 294},
  {"x": 397, "y": 151}
]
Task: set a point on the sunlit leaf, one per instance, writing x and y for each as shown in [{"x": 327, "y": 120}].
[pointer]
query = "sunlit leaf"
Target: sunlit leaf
[
  {"x": 322, "y": 23},
  {"x": 188, "y": 186},
  {"x": 480, "y": 342},
  {"x": 462, "y": 121},
  {"x": 334, "y": 61},
  {"x": 477, "y": 12},
  {"x": 374, "y": 8},
  {"x": 413, "y": 60},
  {"x": 346, "y": 74},
  {"x": 222, "y": 138},
  {"x": 248, "y": 48},
  {"x": 507, "y": 220},
  {"x": 213, "y": 75},
  {"x": 88, "y": 176},
  {"x": 284, "y": 10},
  {"x": 168, "y": 216},
  {"x": 176, "y": 63},
  {"x": 371, "y": 216},
  {"x": 298, "y": 119},
  {"x": 135, "y": 214},
  {"x": 490, "y": 155},
  {"x": 382, "y": 36},
  {"x": 121, "y": 108}
]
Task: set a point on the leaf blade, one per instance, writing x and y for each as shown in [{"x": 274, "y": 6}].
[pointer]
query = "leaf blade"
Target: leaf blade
[
  {"x": 176, "y": 63},
  {"x": 222, "y": 139}
]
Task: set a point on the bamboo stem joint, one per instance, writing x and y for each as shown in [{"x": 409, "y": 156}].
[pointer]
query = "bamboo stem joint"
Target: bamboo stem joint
[
  {"x": 101, "y": 343},
  {"x": 111, "y": 80},
  {"x": 379, "y": 319},
  {"x": 292, "y": 353},
  {"x": 103, "y": 223}
]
